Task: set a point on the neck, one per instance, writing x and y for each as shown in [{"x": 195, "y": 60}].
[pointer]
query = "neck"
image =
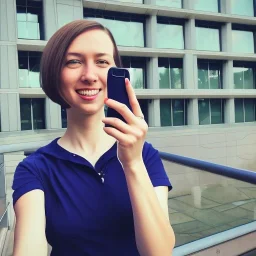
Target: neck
[{"x": 85, "y": 133}]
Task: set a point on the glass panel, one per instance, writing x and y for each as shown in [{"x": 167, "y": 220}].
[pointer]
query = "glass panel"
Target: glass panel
[
  {"x": 164, "y": 73},
  {"x": 204, "y": 111},
  {"x": 242, "y": 41},
  {"x": 216, "y": 111},
  {"x": 22, "y": 29},
  {"x": 25, "y": 114},
  {"x": 207, "y": 39},
  {"x": 245, "y": 8},
  {"x": 176, "y": 78},
  {"x": 239, "y": 111},
  {"x": 136, "y": 34},
  {"x": 178, "y": 112},
  {"x": 203, "y": 80},
  {"x": 38, "y": 113},
  {"x": 33, "y": 30},
  {"x": 23, "y": 69},
  {"x": 207, "y": 204},
  {"x": 238, "y": 77},
  {"x": 126, "y": 33},
  {"x": 249, "y": 107},
  {"x": 21, "y": 14},
  {"x": 209, "y": 5},
  {"x": 64, "y": 117},
  {"x": 165, "y": 112},
  {"x": 21, "y": 2},
  {"x": 170, "y": 3},
  {"x": 170, "y": 36},
  {"x": 137, "y": 79},
  {"x": 34, "y": 67},
  {"x": 32, "y": 14},
  {"x": 248, "y": 78},
  {"x": 214, "y": 76}
]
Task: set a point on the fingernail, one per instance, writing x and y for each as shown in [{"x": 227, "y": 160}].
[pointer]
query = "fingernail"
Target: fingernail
[{"x": 105, "y": 100}]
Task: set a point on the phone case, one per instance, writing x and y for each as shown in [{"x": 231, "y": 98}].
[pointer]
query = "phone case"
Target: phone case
[{"x": 117, "y": 89}]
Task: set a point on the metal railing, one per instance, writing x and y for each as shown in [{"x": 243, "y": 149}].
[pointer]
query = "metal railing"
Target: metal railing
[{"x": 234, "y": 173}]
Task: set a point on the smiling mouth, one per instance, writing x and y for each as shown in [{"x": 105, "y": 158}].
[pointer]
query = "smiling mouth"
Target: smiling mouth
[{"x": 88, "y": 92}]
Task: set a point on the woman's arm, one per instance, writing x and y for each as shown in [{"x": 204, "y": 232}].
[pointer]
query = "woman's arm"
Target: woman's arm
[
  {"x": 29, "y": 236},
  {"x": 154, "y": 234}
]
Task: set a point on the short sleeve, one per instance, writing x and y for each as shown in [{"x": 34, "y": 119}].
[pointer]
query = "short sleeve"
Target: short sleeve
[
  {"x": 26, "y": 178},
  {"x": 155, "y": 167}
]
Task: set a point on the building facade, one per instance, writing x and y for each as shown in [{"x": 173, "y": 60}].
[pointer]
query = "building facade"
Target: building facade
[{"x": 192, "y": 62}]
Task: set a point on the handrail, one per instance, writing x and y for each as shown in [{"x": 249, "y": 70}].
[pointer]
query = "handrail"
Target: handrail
[
  {"x": 4, "y": 212},
  {"x": 234, "y": 173}
]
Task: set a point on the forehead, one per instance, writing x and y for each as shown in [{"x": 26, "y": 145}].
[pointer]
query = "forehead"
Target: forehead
[{"x": 92, "y": 41}]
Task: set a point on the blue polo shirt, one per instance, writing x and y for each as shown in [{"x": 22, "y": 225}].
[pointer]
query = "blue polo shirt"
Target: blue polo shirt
[{"x": 88, "y": 209}]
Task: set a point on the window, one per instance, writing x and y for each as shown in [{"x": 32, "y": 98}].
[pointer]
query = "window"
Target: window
[
  {"x": 209, "y": 5},
  {"x": 244, "y": 75},
  {"x": 29, "y": 67},
  {"x": 32, "y": 112},
  {"x": 209, "y": 74},
  {"x": 170, "y": 33},
  {"x": 170, "y": 73},
  {"x": 244, "y": 110},
  {"x": 137, "y": 68},
  {"x": 127, "y": 29},
  {"x": 211, "y": 111},
  {"x": 207, "y": 36},
  {"x": 63, "y": 118},
  {"x": 173, "y": 112},
  {"x": 242, "y": 41},
  {"x": 170, "y": 3},
  {"x": 30, "y": 19},
  {"x": 247, "y": 8}
]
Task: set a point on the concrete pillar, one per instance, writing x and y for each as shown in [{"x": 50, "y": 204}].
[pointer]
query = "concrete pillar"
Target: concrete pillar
[
  {"x": 225, "y": 6},
  {"x": 10, "y": 112},
  {"x": 9, "y": 101},
  {"x": 193, "y": 117},
  {"x": 154, "y": 119},
  {"x": 151, "y": 28},
  {"x": 190, "y": 35},
  {"x": 226, "y": 37},
  {"x": 53, "y": 115},
  {"x": 8, "y": 21},
  {"x": 190, "y": 71},
  {"x": 188, "y": 4},
  {"x": 228, "y": 83}
]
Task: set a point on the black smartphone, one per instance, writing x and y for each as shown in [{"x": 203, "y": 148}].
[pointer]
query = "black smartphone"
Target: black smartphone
[{"x": 117, "y": 89}]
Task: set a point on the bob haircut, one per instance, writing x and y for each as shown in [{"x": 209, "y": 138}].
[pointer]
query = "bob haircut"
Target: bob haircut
[{"x": 54, "y": 54}]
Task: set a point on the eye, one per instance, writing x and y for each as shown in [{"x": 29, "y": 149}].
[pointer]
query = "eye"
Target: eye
[
  {"x": 102, "y": 62},
  {"x": 73, "y": 63}
]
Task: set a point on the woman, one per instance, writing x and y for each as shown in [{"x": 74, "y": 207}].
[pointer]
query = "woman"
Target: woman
[{"x": 96, "y": 190}]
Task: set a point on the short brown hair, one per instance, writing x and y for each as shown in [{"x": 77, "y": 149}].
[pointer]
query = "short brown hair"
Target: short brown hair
[{"x": 54, "y": 54}]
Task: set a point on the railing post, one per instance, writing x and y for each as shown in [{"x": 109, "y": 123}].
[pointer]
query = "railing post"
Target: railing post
[{"x": 3, "y": 203}]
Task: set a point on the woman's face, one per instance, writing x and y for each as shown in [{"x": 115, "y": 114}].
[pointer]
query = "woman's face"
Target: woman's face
[{"x": 84, "y": 74}]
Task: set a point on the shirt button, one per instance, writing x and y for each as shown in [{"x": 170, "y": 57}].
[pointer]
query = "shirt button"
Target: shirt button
[{"x": 74, "y": 155}]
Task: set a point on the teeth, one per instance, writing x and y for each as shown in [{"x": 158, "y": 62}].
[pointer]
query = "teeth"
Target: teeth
[{"x": 88, "y": 92}]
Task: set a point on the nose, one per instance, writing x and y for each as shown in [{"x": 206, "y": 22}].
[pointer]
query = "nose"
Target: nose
[{"x": 89, "y": 74}]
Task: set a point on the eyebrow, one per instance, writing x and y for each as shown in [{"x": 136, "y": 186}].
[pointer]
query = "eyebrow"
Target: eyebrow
[{"x": 100, "y": 54}]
